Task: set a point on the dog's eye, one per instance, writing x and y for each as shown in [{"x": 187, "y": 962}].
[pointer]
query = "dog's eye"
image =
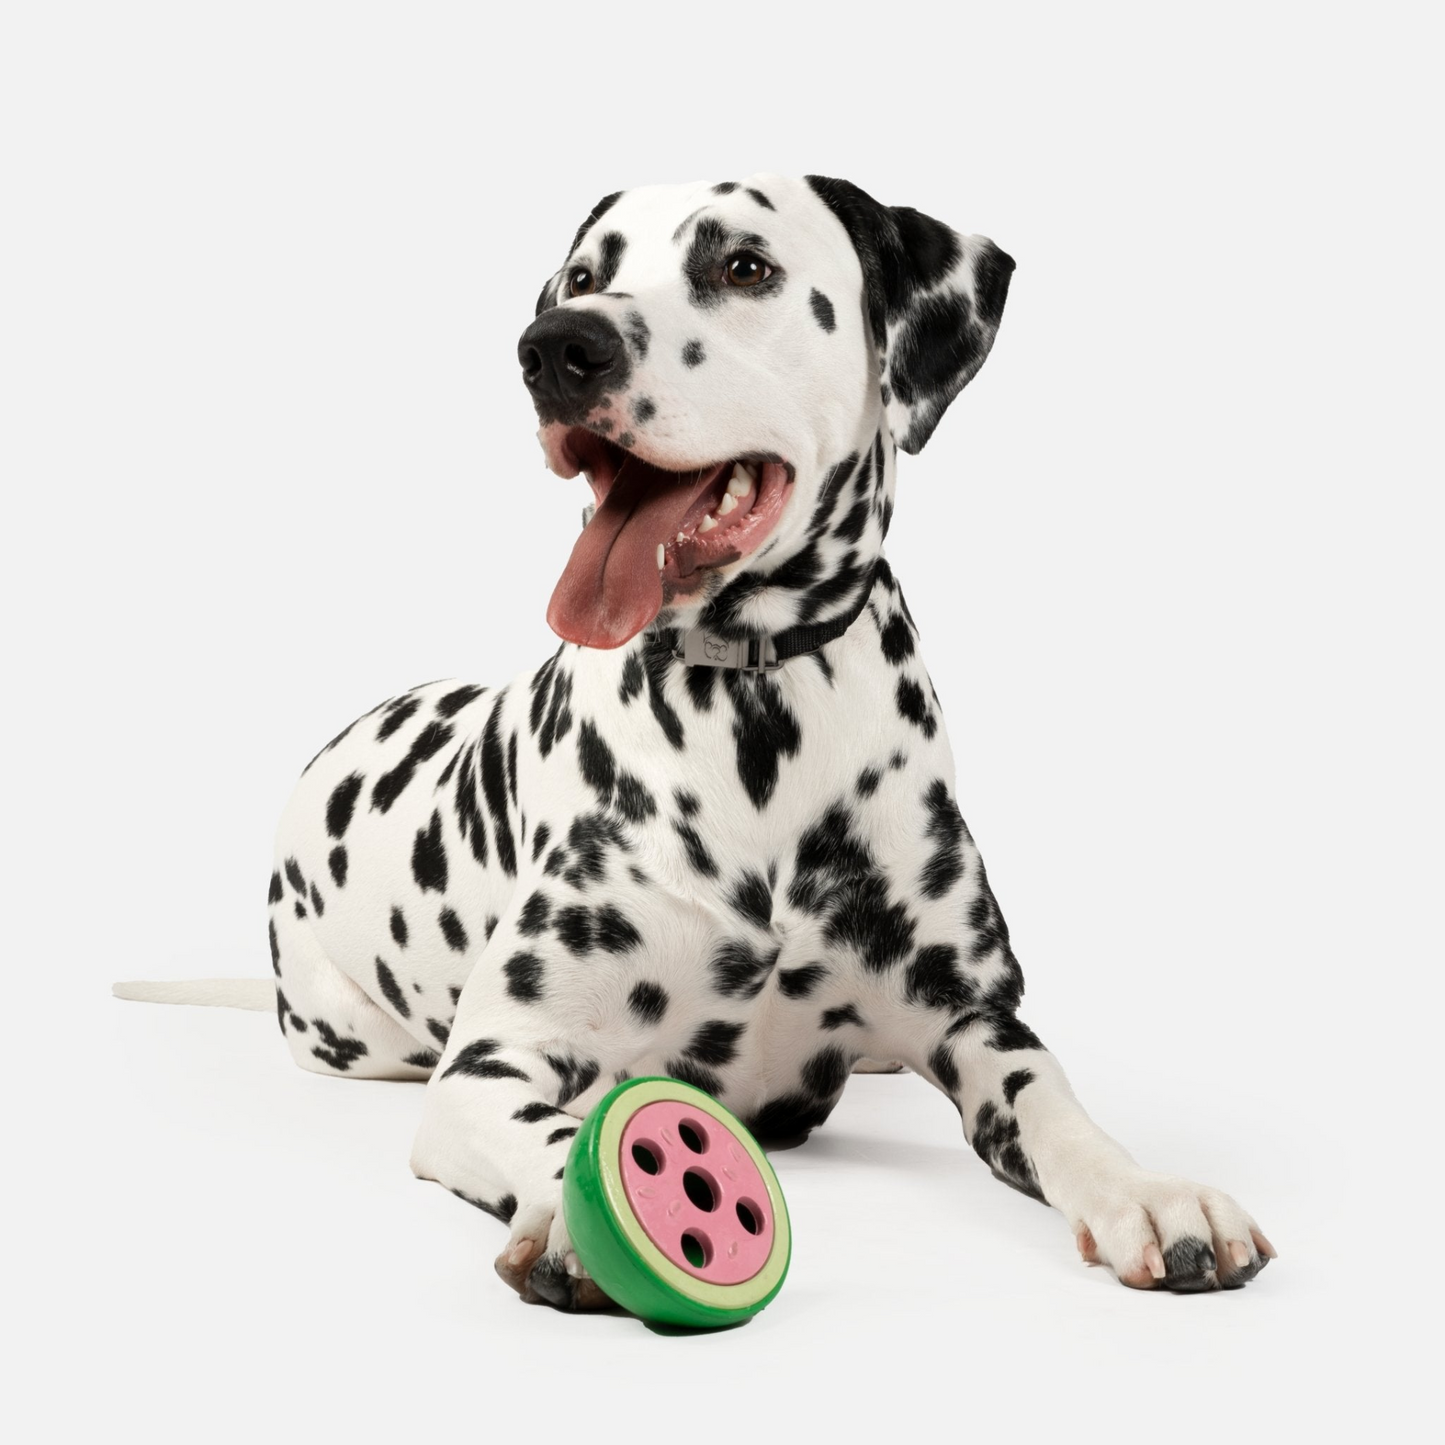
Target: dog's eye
[
  {"x": 746, "y": 268},
  {"x": 581, "y": 282}
]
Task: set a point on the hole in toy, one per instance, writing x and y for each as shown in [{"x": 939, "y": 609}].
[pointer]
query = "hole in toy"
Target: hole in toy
[
  {"x": 648, "y": 1158},
  {"x": 700, "y": 1189},
  {"x": 693, "y": 1136},
  {"x": 750, "y": 1216},
  {"x": 697, "y": 1249}
]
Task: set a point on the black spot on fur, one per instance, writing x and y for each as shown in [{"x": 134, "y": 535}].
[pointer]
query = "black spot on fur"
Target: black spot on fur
[
  {"x": 426, "y": 744},
  {"x": 788, "y": 1117},
  {"x": 996, "y": 1142},
  {"x": 823, "y": 311},
  {"x": 697, "y": 853},
  {"x": 295, "y": 877},
  {"x": 398, "y": 927},
  {"x": 837, "y": 877},
  {"x": 1010, "y": 1032},
  {"x": 761, "y": 199},
  {"x": 317, "y": 902},
  {"x": 693, "y": 1073},
  {"x": 715, "y": 1043},
  {"x": 740, "y": 970},
  {"x": 613, "y": 931},
  {"x": 648, "y": 1001},
  {"x": 337, "y": 861},
  {"x": 1016, "y": 1082},
  {"x": 539, "y": 840},
  {"x": 456, "y": 700},
  {"x": 391, "y": 990},
  {"x": 764, "y": 731},
  {"x": 423, "y": 1059},
  {"x": 453, "y": 931},
  {"x": 636, "y": 330},
  {"x": 439, "y": 1031},
  {"x": 342, "y": 803},
  {"x": 835, "y": 1018},
  {"x": 576, "y": 1075},
  {"x": 752, "y": 898},
  {"x": 574, "y": 927},
  {"x": 534, "y": 915},
  {"x": 395, "y": 716},
  {"x": 275, "y": 949},
  {"x": 631, "y": 685},
  {"x": 494, "y": 787},
  {"x": 897, "y": 639},
  {"x": 534, "y": 1113},
  {"x": 611, "y": 249},
  {"x": 914, "y": 706},
  {"x": 276, "y": 892},
  {"x": 613, "y": 786},
  {"x": 557, "y": 1135},
  {"x": 429, "y": 856},
  {"x": 658, "y": 661},
  {"x": 502, "y": 1210},
  {"x": 800, "y": 982},
  {"x": 475, "y": 1061},
  {"x": 524, "y": 977},
  {"x": 934, "y": 979},
  {"x": 693, "y": 354},
  {"x": 946, "y": 829},
  {"x": 335, "y": 1049},
  {"x": 826, "y": 1072},
  {"x": 944, "y": 1069}
]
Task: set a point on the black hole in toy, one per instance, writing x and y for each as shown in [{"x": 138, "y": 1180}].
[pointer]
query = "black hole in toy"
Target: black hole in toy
[
  {"x": 692, "y": 1135},
  {"x": 699, "y": 1188},
  {"x": 645, "y": 1156},
  {"x": 696, "y": 1249},
  {"x": 749, "y": 1216}
]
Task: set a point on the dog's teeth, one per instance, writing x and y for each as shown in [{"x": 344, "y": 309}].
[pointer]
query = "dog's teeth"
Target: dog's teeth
[
  {"x": 751, "y": 468},
  {"x": 741, "y": 483},
  {"x": 661, "y": 557},
  {"x": 727, "y": 504},
  {"x": 707, "y": 523},
  {"x": 682, "y": 537}
]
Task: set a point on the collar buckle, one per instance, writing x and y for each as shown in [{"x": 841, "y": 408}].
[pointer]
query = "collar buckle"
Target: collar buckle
[{"x": 701, "y": 648}]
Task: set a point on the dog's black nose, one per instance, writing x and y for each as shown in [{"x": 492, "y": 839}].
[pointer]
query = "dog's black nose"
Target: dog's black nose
[{"x": 568, "y": 358}]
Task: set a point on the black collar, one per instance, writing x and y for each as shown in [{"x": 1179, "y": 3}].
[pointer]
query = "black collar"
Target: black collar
[{"x": 697, "y": 647}]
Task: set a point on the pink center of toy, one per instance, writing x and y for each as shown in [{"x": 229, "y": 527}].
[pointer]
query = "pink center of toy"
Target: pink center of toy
[{"x": 697, "y": 1192}]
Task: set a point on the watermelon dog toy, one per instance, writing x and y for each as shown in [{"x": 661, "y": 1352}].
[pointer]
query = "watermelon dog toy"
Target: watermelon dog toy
[{"x": 673, "y": 1208}]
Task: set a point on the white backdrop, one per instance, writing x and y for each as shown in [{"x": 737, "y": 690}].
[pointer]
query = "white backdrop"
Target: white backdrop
[{"x": 1175, "y": 555}]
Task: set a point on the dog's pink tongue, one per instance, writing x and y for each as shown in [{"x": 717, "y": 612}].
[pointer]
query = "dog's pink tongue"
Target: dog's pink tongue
[{"x": 611, "y": 587}]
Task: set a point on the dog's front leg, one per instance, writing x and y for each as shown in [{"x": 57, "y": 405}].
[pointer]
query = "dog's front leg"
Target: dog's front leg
[
  {"x": 496, "y": 1127},
  {"x": 1022, "y": 1119}
]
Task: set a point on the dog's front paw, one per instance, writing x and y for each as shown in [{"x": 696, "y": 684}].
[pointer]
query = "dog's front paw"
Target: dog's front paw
[
  {"x": 541, "y": 1265},
  {"x": 1156, "y": 1231}
]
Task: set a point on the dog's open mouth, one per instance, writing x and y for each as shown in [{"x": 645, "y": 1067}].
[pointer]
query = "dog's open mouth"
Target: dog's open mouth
[{"x": 654, "y": 532}]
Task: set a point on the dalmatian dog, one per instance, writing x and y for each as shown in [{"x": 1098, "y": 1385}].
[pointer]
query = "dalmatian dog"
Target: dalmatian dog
[{"x": 715, "y": 834}]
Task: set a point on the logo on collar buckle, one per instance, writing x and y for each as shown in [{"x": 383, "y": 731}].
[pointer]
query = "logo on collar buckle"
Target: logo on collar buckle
[{"x": 700, "y": 648}]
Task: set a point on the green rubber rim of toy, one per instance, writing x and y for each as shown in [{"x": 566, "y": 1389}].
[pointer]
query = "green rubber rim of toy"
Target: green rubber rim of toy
[{"x": 611, "y": 1242}]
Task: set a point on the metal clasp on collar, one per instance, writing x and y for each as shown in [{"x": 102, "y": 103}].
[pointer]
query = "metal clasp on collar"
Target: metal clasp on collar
[{"x": 700, "y": 648}]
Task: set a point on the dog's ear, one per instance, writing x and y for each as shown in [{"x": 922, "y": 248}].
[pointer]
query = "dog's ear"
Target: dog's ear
[
  {"x": 552, "y": 291},
  {"x": 933, "y": 300}
]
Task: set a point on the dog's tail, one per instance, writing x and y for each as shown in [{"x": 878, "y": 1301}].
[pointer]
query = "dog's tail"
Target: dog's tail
[{"x": 252, "y": 993}]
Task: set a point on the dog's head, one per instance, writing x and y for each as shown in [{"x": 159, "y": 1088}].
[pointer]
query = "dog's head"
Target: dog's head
[{"x": 731, "y": 366}]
